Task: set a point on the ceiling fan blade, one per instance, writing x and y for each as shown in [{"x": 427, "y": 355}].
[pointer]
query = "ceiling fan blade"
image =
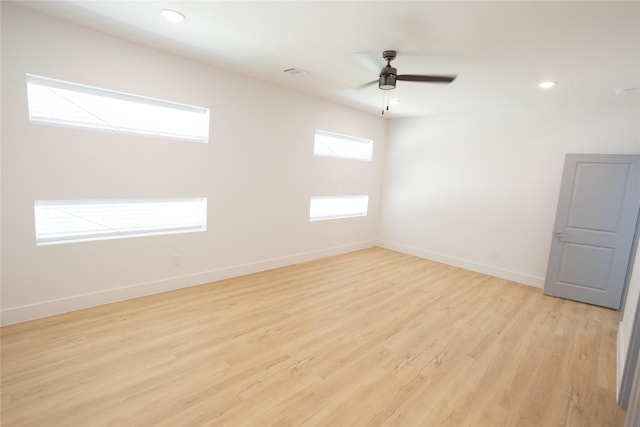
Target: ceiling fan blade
[
  {"x": 355, "y": 89},
  {"x": 429, "y": 79},
  {"x": 371, "y": 60}
]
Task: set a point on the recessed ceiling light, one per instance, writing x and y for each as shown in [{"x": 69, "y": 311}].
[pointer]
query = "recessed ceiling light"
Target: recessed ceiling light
[
  {"x": 172, "y": 15},
  {"x": 547, "y": 84}
]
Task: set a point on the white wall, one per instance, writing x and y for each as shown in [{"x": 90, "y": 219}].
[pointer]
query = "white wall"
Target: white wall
[
  {"x": 459, "y": 187},
  {"x": 258, "y": 172}
]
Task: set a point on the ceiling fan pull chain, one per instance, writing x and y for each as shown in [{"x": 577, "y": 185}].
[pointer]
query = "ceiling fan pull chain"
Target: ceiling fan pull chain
[{"x": 387, "y": 96}]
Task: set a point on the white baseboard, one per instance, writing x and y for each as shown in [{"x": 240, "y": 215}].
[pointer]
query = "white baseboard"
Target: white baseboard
[
  {"x": 77, "y": 302},
  {"x": 514, "y": 276}
]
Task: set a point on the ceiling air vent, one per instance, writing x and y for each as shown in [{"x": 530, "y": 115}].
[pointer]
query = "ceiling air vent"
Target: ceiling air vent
[{"x": 295, "y": 72}]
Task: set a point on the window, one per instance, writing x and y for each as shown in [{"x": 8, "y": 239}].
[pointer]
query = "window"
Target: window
[
  {"x": 62, "y": 103},
  {"x": 349, "y": 147},
  {"x": 81, "y": 220},
  {"x": 321, "y": 208}
]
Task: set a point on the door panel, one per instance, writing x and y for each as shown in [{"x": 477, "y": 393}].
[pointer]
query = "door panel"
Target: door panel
[
  {"x": 598, "y": 185},
  {"x": 594, "y": 228},
  {"x": 595, "y": 261}
]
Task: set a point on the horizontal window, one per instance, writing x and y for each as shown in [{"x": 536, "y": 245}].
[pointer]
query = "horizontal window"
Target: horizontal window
[
  {"x": 321, "y": 208},
  {"x": 81, "y": 220},
  {"x": 63, "y": 103},
  {"x": 329, "y": 144}
]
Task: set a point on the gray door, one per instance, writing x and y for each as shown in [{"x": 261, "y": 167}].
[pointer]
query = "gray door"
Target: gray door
[{"x": 594, "y": 228}]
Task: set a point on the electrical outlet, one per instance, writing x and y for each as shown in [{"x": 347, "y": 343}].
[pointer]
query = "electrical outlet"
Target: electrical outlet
[
  {"x": 177, "y": 260},
  {"x": 493, "y": 254}
]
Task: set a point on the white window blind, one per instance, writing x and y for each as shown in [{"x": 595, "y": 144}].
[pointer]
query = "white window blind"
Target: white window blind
[
  {"x": 321, "y": 208},
  {"x": 81, "y": 220},
  {"x": 329, "y": 144},
  {"x": 69, "y": 104}
]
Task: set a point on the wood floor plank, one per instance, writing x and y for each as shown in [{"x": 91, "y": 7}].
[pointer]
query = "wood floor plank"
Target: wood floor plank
[{"x": 369, "y": 338}]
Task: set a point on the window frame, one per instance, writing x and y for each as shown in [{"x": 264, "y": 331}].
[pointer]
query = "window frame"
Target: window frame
[
  {"x": 349, "y": 214},
  {"x": 200, "y": 116},
  {"x": 341, "y": 139},
  {"x": 109, "y": 230}
]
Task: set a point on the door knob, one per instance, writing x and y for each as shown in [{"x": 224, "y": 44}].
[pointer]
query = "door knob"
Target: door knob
[{"x": 559, "y": 234}]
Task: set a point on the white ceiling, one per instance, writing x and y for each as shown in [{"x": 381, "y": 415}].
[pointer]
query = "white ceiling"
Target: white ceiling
[{"x": 499, "y": 50}]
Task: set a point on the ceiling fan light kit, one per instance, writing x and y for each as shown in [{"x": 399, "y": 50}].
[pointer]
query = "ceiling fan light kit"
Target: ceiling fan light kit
[{"x": 387, "y": 81}]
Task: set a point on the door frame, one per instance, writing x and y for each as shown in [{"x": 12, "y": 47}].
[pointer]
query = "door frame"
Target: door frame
[
  {"x": 563, "y": 200},
  {"x": 633, "y": 348}
]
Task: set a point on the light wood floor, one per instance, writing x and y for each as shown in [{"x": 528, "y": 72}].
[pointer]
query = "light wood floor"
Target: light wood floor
[{"x": 368, "y": 338}]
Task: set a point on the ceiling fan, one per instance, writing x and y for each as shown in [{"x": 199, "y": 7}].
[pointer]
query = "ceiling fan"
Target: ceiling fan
[{"x": 389, "y": 75}]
